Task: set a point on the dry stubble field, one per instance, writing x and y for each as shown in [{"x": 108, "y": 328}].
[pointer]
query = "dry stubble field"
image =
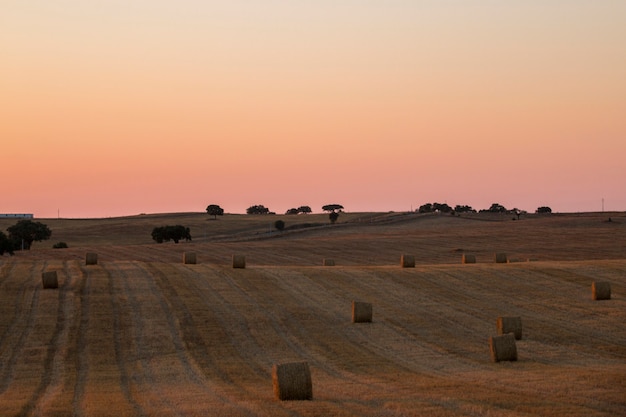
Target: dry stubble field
[{"x": 142, "y": 334}]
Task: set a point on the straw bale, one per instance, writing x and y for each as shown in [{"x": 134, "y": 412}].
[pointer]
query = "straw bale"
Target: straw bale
[
  {"x": 407, "y": 261},
  {"x": 91, "y": 258},
  {"x": 501, "y": 258},
  {"x": 292, "y": 381},
  {"x": 239, "y": 261},
  {"x": 329, "y": 262},
  {"x": 468, "y": 259},
  {"x": 503, "y": 348},
  {"x": 361, "y": 312},
  {"x": 189, "y": 258},
  {"x": 513, "y": 325},
  {"x": 600, "y": 290},
  {"x": 50, "y": 279}
]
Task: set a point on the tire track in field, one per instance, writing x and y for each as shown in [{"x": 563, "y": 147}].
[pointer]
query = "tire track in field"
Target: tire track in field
[
  {"x": 555, "y": 295},
  {"x": 5, "y": 270},
  {"x": 296, "y": 320},
  {"x": 158, "y": 347},
  {"x": 340, "y": 353},
  {"x": 409, "y": 324},
  {"x": 132, "y": 380},
  {"x": 228, "y": 330},
  {"x": 58, "y": 349},
  {"x": 192, "y": 350},
  {"x": 339, "y": 341},
  {"x": 12, "y": 294},
  {"x": 15, "y": 336},
  {"x": 120, "y": 352},
  {"x": 254, "y": 332},
  {"x": 387, "y": 343},
  {"x": 233, "y": 325},
  {"x": 552, "y": 303},
  {"x": 82, "y": 359},
  {"x": 247, "y": 332},
  {"x": 224, "y": 289},
  {"x": 277, "y": 337}
]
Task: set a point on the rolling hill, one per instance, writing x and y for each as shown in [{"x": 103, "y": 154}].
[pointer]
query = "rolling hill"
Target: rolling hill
[{"x": 142, "y": 334}]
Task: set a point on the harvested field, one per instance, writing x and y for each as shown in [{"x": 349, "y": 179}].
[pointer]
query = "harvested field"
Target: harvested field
[{"x": 153, "y": 337}]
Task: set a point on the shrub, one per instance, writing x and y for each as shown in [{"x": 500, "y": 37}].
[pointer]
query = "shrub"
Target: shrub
[
  {"x": 279, "y": 225},
  {"x": 60, "y": 245},
  {"x": 167, "y": 233}
]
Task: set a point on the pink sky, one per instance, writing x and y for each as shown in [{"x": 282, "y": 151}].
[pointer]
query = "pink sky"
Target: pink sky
[{"x": 112, "y": 108}]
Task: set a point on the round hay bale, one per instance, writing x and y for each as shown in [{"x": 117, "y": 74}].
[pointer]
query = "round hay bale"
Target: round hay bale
[
  {"x": 600, "y": 290},
  {"x": 361, "y": 312},
  {"x": 292, "y": 381},
  {"x": 501, "y": 258},
  {"x": 502, "y": 348},
  {"x": 189, "y": 258},
  {"x": 329, "y": 262},
  {"x": 505, "y": 325},
  {"x": 239, "y": 261},
  {"x": 407, "y": 261},
  {"x": 468, "y": 259},
  {"x": 91, "y": 258},
  {"x": 50, "y": 280}
]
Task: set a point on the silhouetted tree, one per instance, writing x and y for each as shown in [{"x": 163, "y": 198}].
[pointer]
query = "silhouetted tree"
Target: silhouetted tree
[
  {"x": 425, "y": 208},
  {"x": 442, "y": 207},
  {"x": 518, "y": 212},
  {"x": 292, "y": 211},
  {"x": 258, "y": 209},
  {"x": 543, "y": 210},
  {"x": 464, "y": 209},
  {"x": 214, "y": 210},
  {"x": 305, "y": 209},
  {"x": 332, "y": 207},
  {"x": 167, "y": 233},
  {"x": 497, "y": 208},
  {"x": 6, "y": 245},
  {"x": 27, "y": 231},
  {"x": 439, "y": 207}
]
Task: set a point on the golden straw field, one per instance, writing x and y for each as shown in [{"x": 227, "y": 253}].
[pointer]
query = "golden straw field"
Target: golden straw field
[{"x": 140, "y": 333}]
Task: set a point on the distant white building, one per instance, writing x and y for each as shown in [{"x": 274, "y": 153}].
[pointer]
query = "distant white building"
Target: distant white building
[{"x": 16, "y": 216}]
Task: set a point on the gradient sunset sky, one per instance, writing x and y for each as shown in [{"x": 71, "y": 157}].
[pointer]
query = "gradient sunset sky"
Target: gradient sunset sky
[{"x": 121, "y": 107}]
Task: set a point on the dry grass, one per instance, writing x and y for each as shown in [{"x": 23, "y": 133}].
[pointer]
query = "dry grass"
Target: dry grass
[
  {"x": 361, "y": 238},
  {"x": 144, "y": 334}
]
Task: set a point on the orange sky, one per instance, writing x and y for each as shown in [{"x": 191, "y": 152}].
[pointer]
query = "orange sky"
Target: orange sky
[{"x": 114, "y": 108}]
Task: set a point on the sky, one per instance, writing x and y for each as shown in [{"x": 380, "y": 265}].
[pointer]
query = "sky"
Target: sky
[{"x": 121, "y": 107}]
